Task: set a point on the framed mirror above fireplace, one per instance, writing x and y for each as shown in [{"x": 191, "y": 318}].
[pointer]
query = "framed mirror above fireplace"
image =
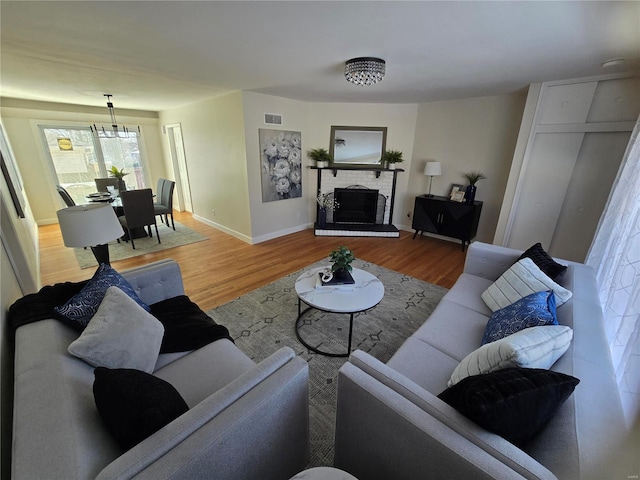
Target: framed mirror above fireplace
[{"x": 357, "y": 146}]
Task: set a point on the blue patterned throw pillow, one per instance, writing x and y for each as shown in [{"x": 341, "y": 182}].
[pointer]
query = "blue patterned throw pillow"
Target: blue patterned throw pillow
[
  {"x": 82, "y": 306},
  {"x": 533, "y": 310}
]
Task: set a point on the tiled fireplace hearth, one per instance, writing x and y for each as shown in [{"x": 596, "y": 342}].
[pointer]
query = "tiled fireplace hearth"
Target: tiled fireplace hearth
[{"x": 376, "y": 179}]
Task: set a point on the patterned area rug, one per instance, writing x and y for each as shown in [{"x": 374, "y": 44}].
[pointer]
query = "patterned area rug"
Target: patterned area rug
[
  {"x": 119, "y": 251},
  {"x": 262, "y": 321}
]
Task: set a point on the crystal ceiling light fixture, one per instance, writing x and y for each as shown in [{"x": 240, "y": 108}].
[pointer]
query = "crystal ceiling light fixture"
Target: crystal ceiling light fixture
[
  {"x": 115, "y": 131},
  {"x": 364, "y": 70}
]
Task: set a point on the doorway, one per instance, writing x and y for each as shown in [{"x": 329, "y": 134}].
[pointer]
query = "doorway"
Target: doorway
[{"x": 179, "y": 161}]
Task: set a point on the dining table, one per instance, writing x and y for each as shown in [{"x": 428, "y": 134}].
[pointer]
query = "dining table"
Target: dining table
[{"x": 114, "y": 199}]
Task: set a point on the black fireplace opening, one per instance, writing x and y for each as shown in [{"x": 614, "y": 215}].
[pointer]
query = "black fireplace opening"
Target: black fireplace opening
[{"x": 355, "y": 205}]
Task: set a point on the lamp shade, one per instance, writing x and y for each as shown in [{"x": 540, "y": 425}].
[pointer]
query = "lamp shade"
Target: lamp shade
[
  {"x": 433, "y": 169},
  {"x": 89, "y": 225}
]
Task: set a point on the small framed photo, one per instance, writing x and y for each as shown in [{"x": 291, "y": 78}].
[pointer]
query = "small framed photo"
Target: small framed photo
[
  {"x": 458, "y": 196},
  {"x": 455, "y": 188}
]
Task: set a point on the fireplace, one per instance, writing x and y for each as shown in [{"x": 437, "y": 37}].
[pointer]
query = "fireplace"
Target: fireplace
[{"x": 355, "y": 205}]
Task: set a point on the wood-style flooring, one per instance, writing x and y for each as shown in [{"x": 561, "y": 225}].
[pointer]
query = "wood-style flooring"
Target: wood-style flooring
[{"x": 222, "y": 268}]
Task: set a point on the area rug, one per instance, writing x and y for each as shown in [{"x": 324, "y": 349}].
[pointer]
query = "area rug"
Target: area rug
[
  {"x": 119, "y": 251},
  {"x": 263, "y": 321}
]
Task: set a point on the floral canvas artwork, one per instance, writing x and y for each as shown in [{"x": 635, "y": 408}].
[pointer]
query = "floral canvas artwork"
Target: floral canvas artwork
[{"x": 281, "y": 164}]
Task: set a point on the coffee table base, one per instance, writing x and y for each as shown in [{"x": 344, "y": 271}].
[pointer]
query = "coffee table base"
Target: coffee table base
[{"x": 314, "y": 349}]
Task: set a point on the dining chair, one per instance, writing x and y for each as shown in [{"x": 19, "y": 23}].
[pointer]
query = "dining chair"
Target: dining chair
[
  {"x": 137, "y": 206},
  {"x": 103, "y": 183},
  {"x": 164, "y": 207},
  {"x": 65, "y": 196}
]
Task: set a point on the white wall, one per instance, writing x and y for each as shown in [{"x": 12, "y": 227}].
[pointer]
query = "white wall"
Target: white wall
[
  {"x": 280, "y": 217},
  {"x": 468, "y": 134},
  {"x": 214, "y": 144},
  {"x": 21, "y": 120}
]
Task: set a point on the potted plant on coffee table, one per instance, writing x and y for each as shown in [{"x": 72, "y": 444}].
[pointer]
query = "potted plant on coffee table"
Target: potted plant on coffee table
[
  {"x": 341, "y": 258},
  {"x": 321, "y": 157},
  {"x": 391, "y": 157}
]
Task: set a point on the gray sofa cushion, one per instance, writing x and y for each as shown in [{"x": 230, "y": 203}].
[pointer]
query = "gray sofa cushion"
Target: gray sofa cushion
[{"x": 120, "y": 335}]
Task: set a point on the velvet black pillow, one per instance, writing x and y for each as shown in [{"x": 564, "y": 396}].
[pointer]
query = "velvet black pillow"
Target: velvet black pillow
[
  {"x": 135, "y": 404},
  {"x": 515, "y": 403},
  {"x": 543, "y": 260},
  {"x": 186, "y": 326}
]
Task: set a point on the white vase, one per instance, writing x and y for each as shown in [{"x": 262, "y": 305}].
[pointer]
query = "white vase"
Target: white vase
[
  {"x": 391, "y": 166},
  {"x": 322, "y": 164}
]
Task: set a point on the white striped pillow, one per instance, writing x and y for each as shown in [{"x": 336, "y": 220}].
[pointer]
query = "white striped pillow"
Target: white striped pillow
[
  {"x": 535, "y": 347},
  {"x": 523, "y": 278}
]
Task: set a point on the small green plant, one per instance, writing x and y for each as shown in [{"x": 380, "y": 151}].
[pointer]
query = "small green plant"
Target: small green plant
[
  {"x": 117, "y": 173},
  {"x": 473, "y": 177},
  {"x": 392, "y": 156},
  {"x": 319, "y": 155},
  {"x": 341, "y": 258}
]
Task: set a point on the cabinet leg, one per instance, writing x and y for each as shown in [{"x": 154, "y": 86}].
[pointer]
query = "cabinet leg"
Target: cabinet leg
[{"x": 414, "y": 234}]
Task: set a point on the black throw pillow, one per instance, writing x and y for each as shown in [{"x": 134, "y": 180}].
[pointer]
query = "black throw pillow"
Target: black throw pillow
[
  {"x": 543, "y": 260},
  {"x": 186, "y": 326},
  {"x": 515, "y": 403},
  {"x": 134, "y": 404}
]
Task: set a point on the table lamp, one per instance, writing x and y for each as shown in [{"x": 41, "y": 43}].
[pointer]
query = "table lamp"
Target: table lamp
[
  {"x": 92, "y": 225},
  {"x": 432, "y": 169}
]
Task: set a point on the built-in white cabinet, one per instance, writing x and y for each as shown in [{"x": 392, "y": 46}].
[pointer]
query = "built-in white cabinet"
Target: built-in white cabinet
[{"x": 572, "y": 139}]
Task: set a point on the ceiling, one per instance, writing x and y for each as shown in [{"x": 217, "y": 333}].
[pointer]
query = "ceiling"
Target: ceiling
[{"x": 159, "y": 55}]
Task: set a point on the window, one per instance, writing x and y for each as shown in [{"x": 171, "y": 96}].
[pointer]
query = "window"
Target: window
[{"x": 78, "y": 158}]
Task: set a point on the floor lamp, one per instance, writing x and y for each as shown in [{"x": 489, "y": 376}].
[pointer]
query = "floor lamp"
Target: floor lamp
[
  {"x": 432, "y": 169},
  {"x": 91, "y": 225}
]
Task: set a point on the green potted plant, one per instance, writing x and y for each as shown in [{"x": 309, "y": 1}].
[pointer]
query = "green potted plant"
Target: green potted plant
[
  {"x": 472, "y": 177},
  {"x": 391, "y": 157},
  {"x": 341, "y": 258},
  {"x": 119, "y": 174},
  {"x": 321, "y": 157}
]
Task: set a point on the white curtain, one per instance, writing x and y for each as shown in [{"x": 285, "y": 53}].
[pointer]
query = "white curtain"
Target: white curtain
[{"x": 615, "y": 254}]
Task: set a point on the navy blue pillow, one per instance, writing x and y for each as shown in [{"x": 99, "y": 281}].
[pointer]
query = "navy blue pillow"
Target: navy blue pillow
[
  {"x": 515, "y": 403},
  {"x": 81, "y": 307},
  {"x": 533, "y": 310}
]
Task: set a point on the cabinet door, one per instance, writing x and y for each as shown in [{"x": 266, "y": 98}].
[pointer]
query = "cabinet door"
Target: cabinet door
[
  {"x": 457, "y": 221},
  {"x": 427, "y": 214}
]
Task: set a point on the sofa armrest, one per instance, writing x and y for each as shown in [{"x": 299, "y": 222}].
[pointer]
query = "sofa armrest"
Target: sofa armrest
[
  {"x": 389, "y": 427},
  {"x": 489, "y": 261},
  {"x": 255, "y": 427}
]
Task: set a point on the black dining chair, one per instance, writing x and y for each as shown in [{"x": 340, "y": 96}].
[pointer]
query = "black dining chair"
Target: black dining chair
[
  {"x": 164, "y": 207},
  {"x": 65, "y": 196},
  {"x": 137, "y": 206},
  {"x": 103, "y": 183}
]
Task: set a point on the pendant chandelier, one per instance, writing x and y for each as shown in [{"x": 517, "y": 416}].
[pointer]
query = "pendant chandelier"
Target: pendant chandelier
[
  {"x": 113, "y": 131},
  {"x": 364, "y": 70}
]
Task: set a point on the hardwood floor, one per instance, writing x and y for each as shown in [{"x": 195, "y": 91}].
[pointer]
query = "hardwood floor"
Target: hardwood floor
[{"x": 222, "y": 268}]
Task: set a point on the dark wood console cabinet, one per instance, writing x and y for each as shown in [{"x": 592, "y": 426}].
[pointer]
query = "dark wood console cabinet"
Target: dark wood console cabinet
[{"x": 446, "y": 217}]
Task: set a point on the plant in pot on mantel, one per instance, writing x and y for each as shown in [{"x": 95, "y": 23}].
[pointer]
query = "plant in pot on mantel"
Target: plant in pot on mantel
[
  {"x": 119, "y": 174},
  {"x": 321, "y": 157},
  {"x": 341, "y": 258},
  {"x": 472, "y": 178},
  {"x": 391, "y": 157}
]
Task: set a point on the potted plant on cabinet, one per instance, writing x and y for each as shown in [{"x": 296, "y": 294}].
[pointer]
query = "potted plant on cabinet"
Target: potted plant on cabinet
[
  {"x": 321, "y": 157},
  {"x": 473, "y": 178},
  {"x": 119, "y": 174},
  {"x": 341, "y": 258},
  {"x": 391, "y": 157}
]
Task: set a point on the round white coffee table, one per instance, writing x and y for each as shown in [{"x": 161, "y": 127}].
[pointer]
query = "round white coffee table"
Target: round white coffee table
[{"x": 366, "y": 293}]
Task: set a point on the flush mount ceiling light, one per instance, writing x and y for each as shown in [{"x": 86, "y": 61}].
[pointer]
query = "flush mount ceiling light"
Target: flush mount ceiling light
[
  {"x": 612, "y": 63},
  {"x": 364, "y": 70},
  {"x": 114, "y": 131}
]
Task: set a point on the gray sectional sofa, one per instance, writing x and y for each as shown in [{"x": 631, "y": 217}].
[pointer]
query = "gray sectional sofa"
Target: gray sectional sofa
[
  {"x": 391, "y": 424},
  {"x": 245, "y": 420}
]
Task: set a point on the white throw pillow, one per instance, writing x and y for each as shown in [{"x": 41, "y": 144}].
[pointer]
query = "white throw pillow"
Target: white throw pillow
[
  {"x": 523, "y": 278},
  {"x": 120, "y": 335},
  {"x": 535, "y": 347}
]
